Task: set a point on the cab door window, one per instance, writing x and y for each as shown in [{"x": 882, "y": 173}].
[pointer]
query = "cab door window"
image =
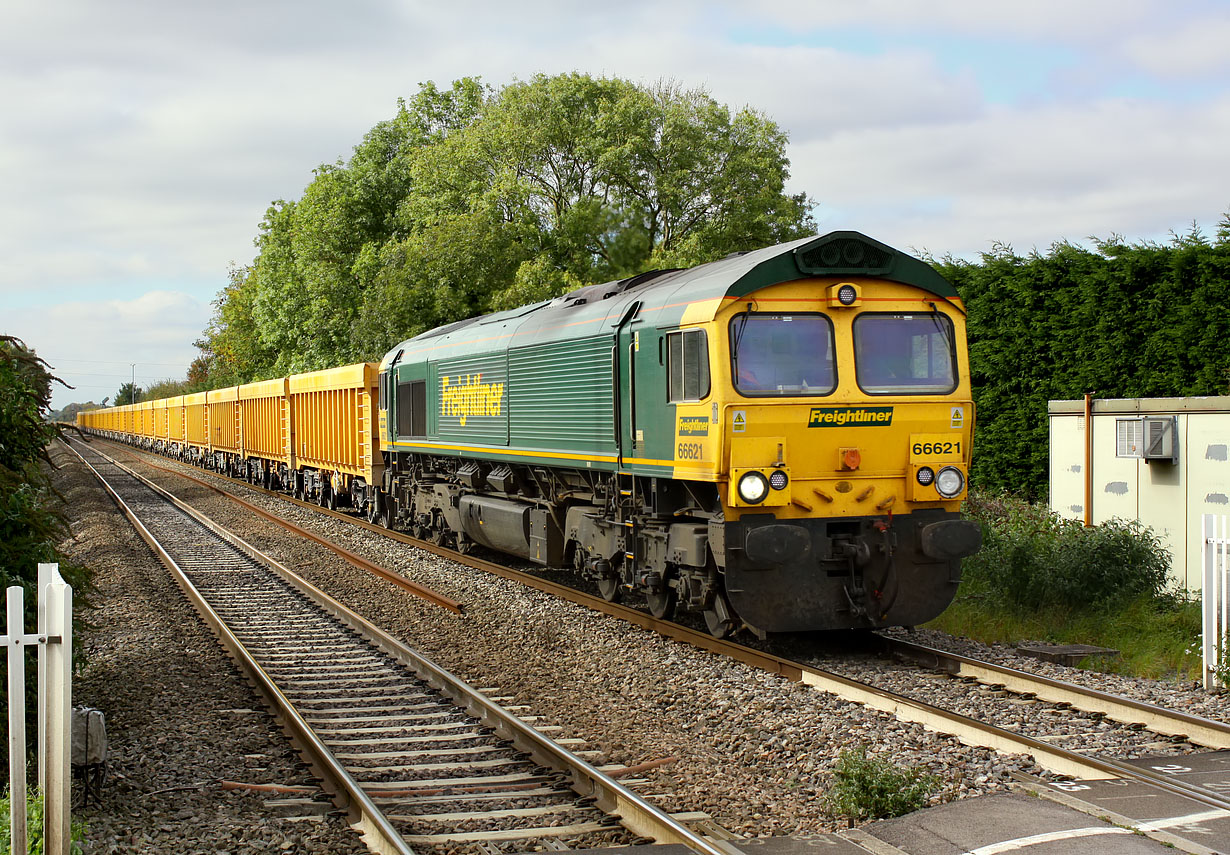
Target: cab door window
[{"x": 687, "y": 356}]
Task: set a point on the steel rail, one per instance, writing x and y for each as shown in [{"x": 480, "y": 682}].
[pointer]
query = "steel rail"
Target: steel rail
[
  {"x": 636, "y": 814},
  {"x": 1193, "y": 728},
  {"x": 359, "y": 561},
  {"x": 362, "y": 812},
  {"x": 967, "y": 730}
]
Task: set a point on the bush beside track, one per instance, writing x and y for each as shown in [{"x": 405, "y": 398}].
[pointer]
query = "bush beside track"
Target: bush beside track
[{"x": 1042, "y": 577}]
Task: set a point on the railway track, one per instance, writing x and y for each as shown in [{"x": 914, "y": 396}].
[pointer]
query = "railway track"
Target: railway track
[
  {"x": 1052, "y": 757},
  {"x": 416, "y": 757}
]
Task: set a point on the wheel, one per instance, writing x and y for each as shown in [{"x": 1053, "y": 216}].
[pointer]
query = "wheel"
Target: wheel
[
  {"x": 719, "y": 619},
  {"x": 297, "y": 492},
  {"x": 662, "y": 602},
  {"x": 373, "y": 509},
  {"x": 609, "y": 587},
  {"x": 330, "y": 501}
]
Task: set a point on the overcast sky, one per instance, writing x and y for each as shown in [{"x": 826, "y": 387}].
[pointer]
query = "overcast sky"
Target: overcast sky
[{"x": 141, "y": 142}]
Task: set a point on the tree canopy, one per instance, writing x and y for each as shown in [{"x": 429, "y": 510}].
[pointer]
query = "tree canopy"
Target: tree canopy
[{"x": 471, "y": 199}]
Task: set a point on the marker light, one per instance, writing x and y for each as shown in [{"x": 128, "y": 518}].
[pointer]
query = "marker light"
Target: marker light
[
  {"x": 778, "y": 479},
  {"x": 847, "y": 294},
  {"x": 753, "y": 487},
  {"x": 926, "y": 475},
  {"x": 949, "y": 482}
]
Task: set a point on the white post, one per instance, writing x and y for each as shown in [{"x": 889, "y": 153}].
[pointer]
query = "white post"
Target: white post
[
  {"x": 44, "y": 577},
  {"x": 17, "y": 721},
  {"x": 55, "y": 774},
  {"x": 1222, "y": 572},
  {"x": 1215, "y": 605}
]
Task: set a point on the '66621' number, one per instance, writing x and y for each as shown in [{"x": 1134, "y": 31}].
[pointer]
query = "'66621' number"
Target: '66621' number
[
  {"x": 688, "y": 451},
  {"x": 930, "y": 448}
]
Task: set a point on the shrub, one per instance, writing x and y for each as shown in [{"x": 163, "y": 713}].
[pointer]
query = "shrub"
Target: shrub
[
  {"x": 1033, "y": 559},
  {"x": 34, "y": 826},
  {"x": 871, "y": 788}
]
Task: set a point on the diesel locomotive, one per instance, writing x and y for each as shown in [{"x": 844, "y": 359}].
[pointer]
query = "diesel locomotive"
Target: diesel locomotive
[{"x": 779, "y": 440}]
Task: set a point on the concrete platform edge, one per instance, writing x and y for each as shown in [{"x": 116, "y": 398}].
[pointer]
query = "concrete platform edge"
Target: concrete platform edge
[
  {"x": 872, "y": 844},
  {"x": 1099, "y": 812}
]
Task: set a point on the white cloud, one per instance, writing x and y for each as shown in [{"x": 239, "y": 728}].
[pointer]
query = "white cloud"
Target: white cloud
[
  {"x": 142, "y": 142},
  {"x": 1193, "y": 51},
  {"x": 1029, "y": 178},
  {"x": 91, "y": 345}
]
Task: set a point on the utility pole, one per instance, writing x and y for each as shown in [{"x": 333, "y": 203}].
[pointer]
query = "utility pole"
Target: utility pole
[{"x": 134, "y": 383}]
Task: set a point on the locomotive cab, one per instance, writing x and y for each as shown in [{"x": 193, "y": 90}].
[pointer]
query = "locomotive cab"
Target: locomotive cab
[{"x": 847, "y": 446}]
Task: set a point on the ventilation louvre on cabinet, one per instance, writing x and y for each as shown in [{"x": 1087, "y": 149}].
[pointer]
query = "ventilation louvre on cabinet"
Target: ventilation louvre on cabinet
[{"x": 1129, "y": 437}]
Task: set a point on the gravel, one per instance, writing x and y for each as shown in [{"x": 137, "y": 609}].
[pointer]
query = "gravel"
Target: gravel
[
  {"x": 179, "y": 717},
  {"x": 753, "y": 750}
]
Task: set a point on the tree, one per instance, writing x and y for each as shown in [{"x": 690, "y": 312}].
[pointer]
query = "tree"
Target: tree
[
  {"x": 31, "y": 523},
  {"x": 470, "y": 199},
  {"x": 128, "y": 394}
]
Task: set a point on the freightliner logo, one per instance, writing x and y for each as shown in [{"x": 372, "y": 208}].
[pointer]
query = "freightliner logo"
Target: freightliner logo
[
  {"x": 824, "y": 417},
  {"x": 693, "y": 425}
]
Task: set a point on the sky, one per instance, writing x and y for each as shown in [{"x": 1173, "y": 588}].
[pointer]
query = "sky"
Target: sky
[{"x": 141, "y": 142}]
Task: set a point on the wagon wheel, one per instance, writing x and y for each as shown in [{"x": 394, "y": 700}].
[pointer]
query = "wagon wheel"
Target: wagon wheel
[
  {"x": 331, "y": 500},
  {"x": 373, "y": 507},
  {"x": 719, "y": 617},
  {"x": 298, "y": 490},
  {"x": 464, "y": 545}
]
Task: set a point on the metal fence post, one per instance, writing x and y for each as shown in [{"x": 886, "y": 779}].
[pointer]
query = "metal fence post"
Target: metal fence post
[
  {"x": 17, "y": 720},
  {"x": 55, "y": 708}
]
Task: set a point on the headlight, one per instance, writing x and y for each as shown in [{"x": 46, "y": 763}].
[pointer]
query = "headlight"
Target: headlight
[
  {"x": 753, "y": 487},
  {"x": 949, "y": 482},
  {"x": 847, "y": 294},
  {"x": 926, "y": 475},
  {"x": 778, "y": 479}
]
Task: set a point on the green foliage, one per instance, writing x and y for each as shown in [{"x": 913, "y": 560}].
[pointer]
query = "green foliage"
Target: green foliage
[
  {"x": 128, "y": 394},
  {"x": 471, "y": 199},
  {"x": 34, "y": 826},
  {"x": 1119, "y": 321},
  {"x": 30, "y": 520},
  {"x": 873, "y": 788},
  {"x": 167, "y": 389},
  {"x": 1033, "y": 559},
  {"x": 1153, "y": 637},
  {"x": 1041, "y": 578}
]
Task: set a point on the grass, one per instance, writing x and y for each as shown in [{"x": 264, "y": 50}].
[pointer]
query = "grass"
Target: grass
[{"x": 1156, "y": 640}]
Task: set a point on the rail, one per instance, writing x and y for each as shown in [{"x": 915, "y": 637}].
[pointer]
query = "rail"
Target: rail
[
  {"x": 635, "y": 813},
  {"x": 968, "y": 730}
]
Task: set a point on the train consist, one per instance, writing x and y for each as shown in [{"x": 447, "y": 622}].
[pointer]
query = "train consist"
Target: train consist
[{"x": 779, "y": 440}]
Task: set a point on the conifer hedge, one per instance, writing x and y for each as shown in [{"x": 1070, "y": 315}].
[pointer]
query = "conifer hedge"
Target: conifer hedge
[{"x": 1117, "y": 321}]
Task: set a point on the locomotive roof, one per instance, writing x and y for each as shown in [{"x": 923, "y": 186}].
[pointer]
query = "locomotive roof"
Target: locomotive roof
[{"x": 839, "y": 253}]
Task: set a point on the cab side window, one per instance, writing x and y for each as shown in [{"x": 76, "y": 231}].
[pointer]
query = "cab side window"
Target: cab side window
[{"x": 687, "y": 365}]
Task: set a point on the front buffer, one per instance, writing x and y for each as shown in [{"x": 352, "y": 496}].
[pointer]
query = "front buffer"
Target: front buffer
[{"x": 822, "y": 574}]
